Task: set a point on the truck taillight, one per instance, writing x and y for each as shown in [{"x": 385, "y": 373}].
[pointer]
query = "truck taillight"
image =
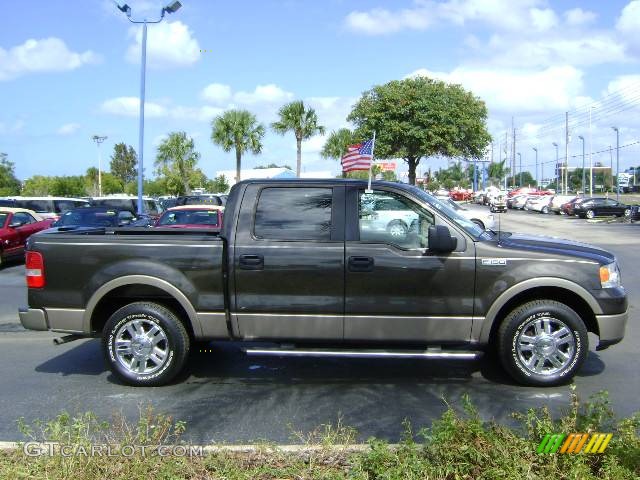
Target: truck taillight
[{"x": 35, "y": 270}]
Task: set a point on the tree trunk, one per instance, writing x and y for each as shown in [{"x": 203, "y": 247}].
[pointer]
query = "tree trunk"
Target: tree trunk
[
  {"x": 238, "y": 164},
  {"x": 413, "y": 163},
  {"x": 299, "y": 157}
]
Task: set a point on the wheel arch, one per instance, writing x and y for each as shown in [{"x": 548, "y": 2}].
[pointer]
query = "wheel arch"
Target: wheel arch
[
  {"x": 104, "y": 301},
  {"x": 563, "y": 291}
]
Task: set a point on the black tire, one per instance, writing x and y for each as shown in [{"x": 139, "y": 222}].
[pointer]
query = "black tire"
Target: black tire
[
  {"x": 175, "y": 343},
  {"x": 398, "y": 229},
  {"x": 521, "y": 320},
  {"x": 545, "y": 210}
]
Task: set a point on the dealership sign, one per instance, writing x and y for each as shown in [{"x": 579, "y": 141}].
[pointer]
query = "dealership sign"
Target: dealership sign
[{"x": 387, "y": 166}]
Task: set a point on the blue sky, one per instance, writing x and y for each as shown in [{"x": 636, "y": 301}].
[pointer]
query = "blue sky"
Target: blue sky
[{"x": 69, "y": 70}]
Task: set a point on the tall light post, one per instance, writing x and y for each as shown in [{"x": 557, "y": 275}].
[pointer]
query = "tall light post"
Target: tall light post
[
  {"x": 535, "y": 149},
  {"x": 126, "y": 9},
  {"x": 590, "y": 155},
  {"x": 617, "y": 163},
  {"x": 555, "y": 144},
  {"x": 99, "y": 139},
  {"x": 520, "y": 157},
  {"x": 584, "y": 174}
]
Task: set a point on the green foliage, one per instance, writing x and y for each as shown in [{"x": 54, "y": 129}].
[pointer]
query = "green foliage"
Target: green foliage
[
  {"x": 9, "y": 184},
  {"x": 176, "y": 162},
  {"x": 302, "y": 121},
  {"x": 459, "y": 445},
  {"x": 238, "y": 130},
  {"x": 527, "y": 180},
  {"x": 337, "y": 143},
  {"x": 272, "y": 165},
  {"x": 218, "y": 185},
  {"x": 69, "y": 186},
  {"x": 124, "y": 162},
  {"x": 422, "y": 117},
  {"x": 497, "y": 172},
  {"x": 110, "y": 184}
]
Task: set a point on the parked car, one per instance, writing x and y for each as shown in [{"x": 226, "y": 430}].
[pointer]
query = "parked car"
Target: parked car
[
  {"x": 484, "y": 220},
  {"x": 16, "y": 226},
  {"x": 47, "y": 207},
  {"x": 192, "y": 216},
  {"x": 568, "y": 208},
  {"x": 519, "y": 201},
  {"x": 95, "y": 217},
  {"x": 538, "y": 203},
  {"x": 150, "y": 206},
  {"x": 294, "y": 265},
  {"x": 528, "y": 191},
  {"x": 461, "y": 195},
  {"x": 557, "y": 201},
  {"x": 601, "y": 207},
  {"x": 511, "y": 200}
]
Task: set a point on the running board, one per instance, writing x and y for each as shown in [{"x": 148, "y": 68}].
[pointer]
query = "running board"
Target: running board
[{"x": 317, "y": 352}]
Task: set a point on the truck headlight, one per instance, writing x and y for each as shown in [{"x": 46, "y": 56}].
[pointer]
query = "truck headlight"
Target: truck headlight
[{"x": 610, "y": 275}]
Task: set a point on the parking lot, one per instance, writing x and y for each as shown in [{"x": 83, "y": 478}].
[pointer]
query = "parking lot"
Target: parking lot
[{"x": 229, "y": 397}]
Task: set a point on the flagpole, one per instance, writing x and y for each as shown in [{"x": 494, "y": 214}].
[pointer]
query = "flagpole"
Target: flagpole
[{"x": 373, "y": 146}]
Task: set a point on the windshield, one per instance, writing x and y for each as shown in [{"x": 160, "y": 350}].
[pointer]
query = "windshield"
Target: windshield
[
  {"x": 449, "y": 212},
  {"x": 108, "y": 218},
  {"x": 207, "y": 218}
]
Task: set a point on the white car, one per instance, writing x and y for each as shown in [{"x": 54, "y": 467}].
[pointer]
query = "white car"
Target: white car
[
  {"x": 538, "y": 203},
  {"x": 484, "y": 220},
  {"x": 557, "y": 201},
  {"x": 518, "y": 202}
]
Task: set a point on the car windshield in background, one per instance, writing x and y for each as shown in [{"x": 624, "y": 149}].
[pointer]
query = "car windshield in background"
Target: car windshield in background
[
  {"x": 38, "y": 206},
  {"x": 208, "y": 218},
  {"x": 448, "y": 211},
  {"x": 202, "y": 200},
  {"x": 88, "y": 219},
  {"x": 119, "y": 203},
  {"x": 62, "y": 206}
]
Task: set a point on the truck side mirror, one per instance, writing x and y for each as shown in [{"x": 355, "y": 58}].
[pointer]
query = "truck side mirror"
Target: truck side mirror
[{"x": 440, "y": 239}]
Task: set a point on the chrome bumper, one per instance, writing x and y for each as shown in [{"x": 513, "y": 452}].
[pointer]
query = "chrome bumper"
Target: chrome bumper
[
  {"x": 611, "y": 328},
  {"x": 33, "y": 319}
]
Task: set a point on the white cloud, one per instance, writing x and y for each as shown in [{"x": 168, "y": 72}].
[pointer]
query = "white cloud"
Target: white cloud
[
  {"x": 130, "y": 107},
  {"x": 68, "y": 129},
  {"x": 270, "y": 93},
  {"x": 380, "y": 21},
  {"x": 169, "y": 44},
  {"x": 38, "y": 56},
  {"x": 205, "y": 113},
  {"x": 11, "y": 128},
  {"x": 579, "y": 17},
  {"x": 628, "y": 23},
  {"x": 216, "y": 93},
  {"x": 553, "y": 88},
  {"x": 543, "y": 20}
]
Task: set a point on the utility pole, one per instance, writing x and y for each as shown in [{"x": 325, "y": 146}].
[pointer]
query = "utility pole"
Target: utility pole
[
  {"x": 513, "y": 154},
  {"x": 557, "y": 169},
  {"x": 535, "y": 149},
  {"x": 584, "y": 174},
  {"x": 590, "y": 155},
  {"x": 520, "y": 157},
  {"x": 566, "y": 152},
  {"x": 617, "y": 163}
]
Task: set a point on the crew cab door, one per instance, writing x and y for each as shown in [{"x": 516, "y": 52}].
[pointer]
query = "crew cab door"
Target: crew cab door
[
  {"x": 288, "y": 262},
  {"x": 396, "y": 289}
]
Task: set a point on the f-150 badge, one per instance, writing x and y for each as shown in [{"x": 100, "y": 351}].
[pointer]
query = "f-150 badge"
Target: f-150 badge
[{"x": 494, "y": 261}]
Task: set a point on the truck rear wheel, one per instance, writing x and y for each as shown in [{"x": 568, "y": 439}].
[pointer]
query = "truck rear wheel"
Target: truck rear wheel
[
  {"x": 542, "y": 343},
  {"x": 145, "y": 344}
]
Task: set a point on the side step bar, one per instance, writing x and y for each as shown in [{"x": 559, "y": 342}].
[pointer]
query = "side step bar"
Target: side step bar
[{"x": 318, "y": 352}]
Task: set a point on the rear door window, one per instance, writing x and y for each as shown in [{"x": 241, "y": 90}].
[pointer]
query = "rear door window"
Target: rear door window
[{"x": 293, "y": 213}]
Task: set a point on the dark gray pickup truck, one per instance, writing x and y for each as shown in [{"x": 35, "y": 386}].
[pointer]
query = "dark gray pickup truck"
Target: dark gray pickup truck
[{"x": 326, "y": 267}]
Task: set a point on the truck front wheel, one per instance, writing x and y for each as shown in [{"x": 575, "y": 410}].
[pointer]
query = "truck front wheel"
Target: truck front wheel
[
  {"x": 145, "y": 344},
  {"x": 542, "y": 343}
]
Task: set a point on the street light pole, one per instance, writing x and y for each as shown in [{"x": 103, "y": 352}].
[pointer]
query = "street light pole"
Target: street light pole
[
  {"x": 126, "y": 9},
  {"x": 617, "y": 163},
  {"x": 99, "y": 139},
  {"x": 590, "y": 155},
  {"x": 584, "y": 174},
  {"x": 535, "y": 149},
  {"x": 520, "y": 157},
  {"x": 557, "y": 160}
]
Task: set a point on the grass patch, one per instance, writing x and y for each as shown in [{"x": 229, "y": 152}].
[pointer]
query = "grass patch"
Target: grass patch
[{"x": 457, "y": 446}]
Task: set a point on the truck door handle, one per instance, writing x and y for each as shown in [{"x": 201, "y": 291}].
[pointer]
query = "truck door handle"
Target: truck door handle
[
  {"x": 361, "y": 264},
  {"x": 251, "y": 262}
]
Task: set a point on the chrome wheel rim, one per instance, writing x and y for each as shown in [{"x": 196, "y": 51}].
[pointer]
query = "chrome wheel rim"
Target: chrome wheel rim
[
  {"x": 545, "y": 346},
  {"x": 590, "y": 214},
  {"x": 397, "y": 230},
  {"x": 141, "y": 346},
  {"x": 627, "y": 212}
]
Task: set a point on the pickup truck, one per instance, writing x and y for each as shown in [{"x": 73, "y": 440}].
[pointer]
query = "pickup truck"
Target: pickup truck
[{"x": 318, "y": 267}]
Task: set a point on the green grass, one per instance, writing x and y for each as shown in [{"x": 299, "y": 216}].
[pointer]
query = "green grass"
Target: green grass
[{"x": 457, "y": 446}]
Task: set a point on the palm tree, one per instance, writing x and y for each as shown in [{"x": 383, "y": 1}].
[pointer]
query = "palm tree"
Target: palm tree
[
  {"x": 239, "y": 130},
  {"x": 337, "y": 143},
  {"x": 302, "y": 121},
  {"x": 176, "y": 160},
  {"x": 497, "y": 171}
]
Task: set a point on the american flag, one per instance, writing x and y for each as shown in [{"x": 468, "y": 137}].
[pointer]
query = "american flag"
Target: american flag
[{"x": 358, "y": 157}]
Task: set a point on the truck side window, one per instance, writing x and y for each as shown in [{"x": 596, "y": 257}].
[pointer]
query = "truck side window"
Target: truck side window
[
  {"x": 391, "y": 218},
  {"x": 293, "y": 213}
]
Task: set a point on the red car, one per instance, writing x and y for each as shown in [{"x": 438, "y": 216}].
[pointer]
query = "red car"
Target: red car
[
  {"x": 460, "y": 195},
  {"x": 16, "y": 225},
  {"x": 528, "y": 191},
  {"x": 192, "y": 216},
  {"x": 568, "y": 208}
]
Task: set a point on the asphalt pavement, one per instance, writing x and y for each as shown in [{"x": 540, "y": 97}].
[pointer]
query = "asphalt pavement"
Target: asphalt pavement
[{"x": 229, "y": 397}]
